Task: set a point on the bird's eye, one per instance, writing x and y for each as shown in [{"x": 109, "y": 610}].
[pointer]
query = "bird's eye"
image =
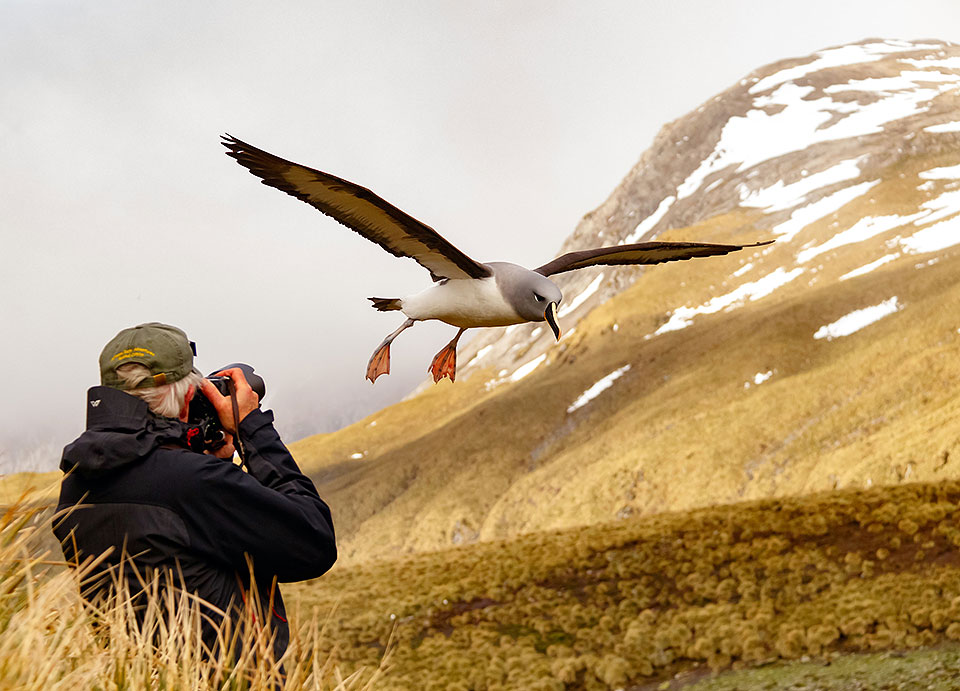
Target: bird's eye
[{"x": 540, "y": 298}]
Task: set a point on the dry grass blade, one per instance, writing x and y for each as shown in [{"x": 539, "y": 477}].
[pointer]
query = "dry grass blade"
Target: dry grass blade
[{"x": 51, "y": 639}]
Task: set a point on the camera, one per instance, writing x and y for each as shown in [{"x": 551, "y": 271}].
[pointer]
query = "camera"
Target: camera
[{"x": 204, "y": 431}]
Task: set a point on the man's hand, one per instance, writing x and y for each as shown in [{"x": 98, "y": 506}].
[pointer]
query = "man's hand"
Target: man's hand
[
  {"x": 226, "y": 451},
  {"x": 247, "y": 399}
]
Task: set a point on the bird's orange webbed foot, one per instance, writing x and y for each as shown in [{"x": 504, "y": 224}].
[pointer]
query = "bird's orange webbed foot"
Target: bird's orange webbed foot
[
  {"x": 379, "y": 363},
  {"x": 445, "y": 364},
  {"x": 380, "y": 360}
]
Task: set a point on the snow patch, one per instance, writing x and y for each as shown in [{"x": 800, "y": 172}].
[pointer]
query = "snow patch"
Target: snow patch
[
  {"x": 519, "y": 374},
  {"x": 582, "y": 297},
  {"x": 864, "y": 229},
  {"x": 908, "y": 79},
  {"x": 800, "y": 122},
  {"x": 811, "y": 213},
  {"x": 945, "y": 173},
  {"x": 683, "y": 316},
  {"x": 944, "y": 127},
  {"x": 761, "y": 377},
  {"x": 482, "y": 352},
  {"x": 835, "y": 57},
  {"x": 858, "y": 319},
  {"x": 650, "y": 221},
  {"x": 743, "y": 269},
  {"x": 780, "y": 196},
  {"x": 867, "y": 268},
  {"x": 598, "y": 388},
  {"x": 950, "y": 63},
  {"x": 526, "y": 369},
  {"x": 943, "y": 206},
  {"x": 936, "y": 237},
  {"x": 758, "y": 379}
]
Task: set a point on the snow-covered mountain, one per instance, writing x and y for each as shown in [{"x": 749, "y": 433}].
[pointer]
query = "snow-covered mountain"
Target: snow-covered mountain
[
  {"x": 794, "y": 141},
  {"x": 827, "y": 359}
]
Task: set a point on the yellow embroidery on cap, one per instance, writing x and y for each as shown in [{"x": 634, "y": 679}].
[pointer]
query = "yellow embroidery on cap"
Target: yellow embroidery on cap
[{"x": 133, "y": 352}]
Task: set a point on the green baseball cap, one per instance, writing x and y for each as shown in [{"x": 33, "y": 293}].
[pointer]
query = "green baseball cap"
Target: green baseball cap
[{"x": 163, "y": 349}]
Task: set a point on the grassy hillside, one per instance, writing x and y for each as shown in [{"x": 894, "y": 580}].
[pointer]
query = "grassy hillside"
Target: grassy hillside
[
  {"x": 642, "y": 600},
  {"x": 687, "y": 425},
  {"x": 41, "y": 487}
]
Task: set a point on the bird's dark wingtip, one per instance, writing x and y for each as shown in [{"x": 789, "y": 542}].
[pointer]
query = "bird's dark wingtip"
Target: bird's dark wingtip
[{"x": 231, "y": 142}]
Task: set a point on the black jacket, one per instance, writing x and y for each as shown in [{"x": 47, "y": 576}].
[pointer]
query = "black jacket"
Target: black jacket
[{"x": 132, "y": 486}]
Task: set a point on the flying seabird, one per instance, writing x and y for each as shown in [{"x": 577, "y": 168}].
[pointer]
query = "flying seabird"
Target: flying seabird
[{"x": 466, "y": 293}]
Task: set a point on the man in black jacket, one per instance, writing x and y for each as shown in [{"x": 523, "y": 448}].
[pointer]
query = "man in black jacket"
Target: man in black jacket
[{"x": 133, "y": 487}]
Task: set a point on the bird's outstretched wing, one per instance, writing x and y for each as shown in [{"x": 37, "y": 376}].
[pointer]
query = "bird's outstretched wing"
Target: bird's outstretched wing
[
  {"x": 640, "y": 253},
  {"x": 360, "y": 210}
]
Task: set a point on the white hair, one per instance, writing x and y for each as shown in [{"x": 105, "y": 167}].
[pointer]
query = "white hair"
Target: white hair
[{"x": 166, "y": 400}]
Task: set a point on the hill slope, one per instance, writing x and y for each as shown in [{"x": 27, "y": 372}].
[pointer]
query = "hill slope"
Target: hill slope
[
  {"x": 632, "y": 603},
  {"x": 728, "y": 378}
]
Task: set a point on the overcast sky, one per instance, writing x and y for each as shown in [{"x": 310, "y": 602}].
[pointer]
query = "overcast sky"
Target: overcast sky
[{"x": 498, "y": 123}]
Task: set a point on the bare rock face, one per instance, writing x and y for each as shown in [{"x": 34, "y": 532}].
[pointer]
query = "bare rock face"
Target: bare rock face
[{"x": 821, "y": 124}]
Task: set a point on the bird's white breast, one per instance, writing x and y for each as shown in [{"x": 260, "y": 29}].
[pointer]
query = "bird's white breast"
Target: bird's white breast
[{"x": 463, "y": 302}]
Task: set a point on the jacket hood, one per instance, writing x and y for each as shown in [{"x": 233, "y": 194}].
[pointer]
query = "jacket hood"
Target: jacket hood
[{"x": 121, "y": 430}]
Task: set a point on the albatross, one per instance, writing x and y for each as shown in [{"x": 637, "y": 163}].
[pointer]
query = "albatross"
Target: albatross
[{"x": 466, "y": 293}]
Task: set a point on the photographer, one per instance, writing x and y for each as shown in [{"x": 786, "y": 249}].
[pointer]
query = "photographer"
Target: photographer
[{"x": 134, "y": 487}]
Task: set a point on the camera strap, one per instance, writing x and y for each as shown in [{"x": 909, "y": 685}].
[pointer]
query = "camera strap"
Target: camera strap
[{"x": 237, "y": 442}]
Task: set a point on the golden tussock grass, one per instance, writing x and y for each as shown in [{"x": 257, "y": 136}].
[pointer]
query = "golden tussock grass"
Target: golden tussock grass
[
  {"x": 643, "y": 599},
  {"x": 49, "y": 639}
]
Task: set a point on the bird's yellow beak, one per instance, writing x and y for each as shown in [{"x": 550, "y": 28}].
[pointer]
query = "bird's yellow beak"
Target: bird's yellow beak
[{"x": 550, "y": 315}]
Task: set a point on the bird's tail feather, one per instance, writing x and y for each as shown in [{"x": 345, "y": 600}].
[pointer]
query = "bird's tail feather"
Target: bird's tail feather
[{"x": 385, "y": 304}]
